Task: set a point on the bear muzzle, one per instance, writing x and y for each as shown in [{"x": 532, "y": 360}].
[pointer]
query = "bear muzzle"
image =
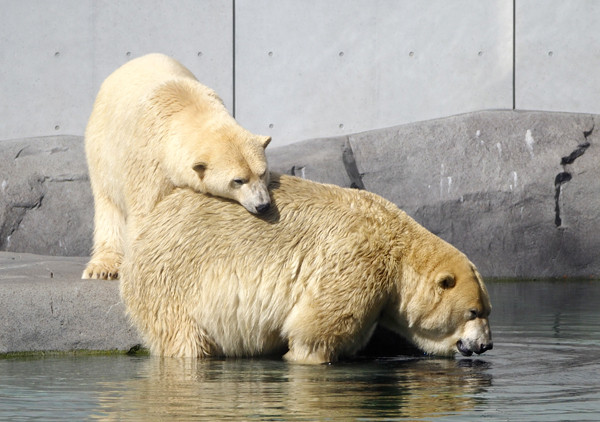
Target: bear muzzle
[
  {"x": 255, "y": 197},
  {"x": 263, "y": 208},
  {"x": 468, "y": 348},
  {"x": 476, "y": 338},
  {"x": 260, "y": 208}
]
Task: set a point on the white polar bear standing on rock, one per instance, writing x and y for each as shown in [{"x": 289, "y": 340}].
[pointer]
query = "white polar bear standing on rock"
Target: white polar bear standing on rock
[
  {"x": 311, "y": 278},
  {"x": 154, "y": 127}
]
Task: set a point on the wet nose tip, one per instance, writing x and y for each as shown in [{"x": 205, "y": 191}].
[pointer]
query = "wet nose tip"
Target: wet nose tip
[
  {"x": 262, "y": 208},
  {"x": 488, "y": 346}
]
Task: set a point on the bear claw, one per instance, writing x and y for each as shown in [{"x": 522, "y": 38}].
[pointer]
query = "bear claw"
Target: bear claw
[{"x": 93, "y": 272}]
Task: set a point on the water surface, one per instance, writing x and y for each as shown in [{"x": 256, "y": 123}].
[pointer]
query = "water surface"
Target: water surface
[{"x": 545, "y": 366}]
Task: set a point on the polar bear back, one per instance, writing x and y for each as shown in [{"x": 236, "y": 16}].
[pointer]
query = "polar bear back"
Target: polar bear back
[
  {"x": 316, "y": 239},
  {"x": 313, "y": 275}
]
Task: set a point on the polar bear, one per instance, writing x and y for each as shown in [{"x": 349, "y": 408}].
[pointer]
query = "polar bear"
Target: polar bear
[
  {"x": 310, "y": 279},
  {"x": 154, "y": 127}
]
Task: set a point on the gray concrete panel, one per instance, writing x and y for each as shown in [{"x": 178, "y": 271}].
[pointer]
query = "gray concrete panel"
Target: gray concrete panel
[
  {"x": 45, "y": 56},
  {"x": 199, "y": 34},
  {"x": 558, "y": 55},
  {"x": 54, "y": 55},
  {"x": 304, "y": 69},
  {"x": 313, "y": 69}
]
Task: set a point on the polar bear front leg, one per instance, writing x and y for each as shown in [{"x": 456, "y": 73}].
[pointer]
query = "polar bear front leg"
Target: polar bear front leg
[
  {"x": 310, "y": 340},
  {"x": 323, "y": 334},
  {"x": 107, "y": 253}
]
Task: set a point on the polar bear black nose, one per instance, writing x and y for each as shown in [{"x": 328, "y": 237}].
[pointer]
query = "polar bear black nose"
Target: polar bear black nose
[
  {"x": 262, "y": 208},
  {"x": 484, "y": 347},
  {"x": 467, "y": 350}
]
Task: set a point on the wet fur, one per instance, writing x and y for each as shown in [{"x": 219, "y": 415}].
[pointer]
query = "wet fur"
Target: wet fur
[{"x": 313, "y": 276}]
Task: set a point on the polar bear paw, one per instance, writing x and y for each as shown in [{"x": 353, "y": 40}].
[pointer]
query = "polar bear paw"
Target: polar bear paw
[
  {"x": 303, "y": 354},
  {"x": 101, "y": 270}
]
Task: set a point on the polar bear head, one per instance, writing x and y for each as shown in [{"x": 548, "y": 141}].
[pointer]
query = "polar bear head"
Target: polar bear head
[
  {"x": 219, "y": 157},
  {"x": 443, "y": 305},
  {"x": 205, "y": 149},
  {"x": 236, "y": 168}
]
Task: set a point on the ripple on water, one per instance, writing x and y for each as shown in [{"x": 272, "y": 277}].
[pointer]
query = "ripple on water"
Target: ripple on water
[{"x": 546, "y": 358}]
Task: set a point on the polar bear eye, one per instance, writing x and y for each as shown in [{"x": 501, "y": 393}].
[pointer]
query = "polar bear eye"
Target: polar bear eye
[{"x": 239, "y": 182}]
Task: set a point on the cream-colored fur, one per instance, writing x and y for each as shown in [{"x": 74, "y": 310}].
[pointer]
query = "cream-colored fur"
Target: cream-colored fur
[
  {"x": 313, "y": 276},
  {"x": 154, "y": 127}
]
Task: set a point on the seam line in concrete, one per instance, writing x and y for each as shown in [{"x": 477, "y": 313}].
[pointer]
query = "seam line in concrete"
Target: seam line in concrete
[
  {"x": 233, "y": 93},
  {"x": 514, "y": 56}
]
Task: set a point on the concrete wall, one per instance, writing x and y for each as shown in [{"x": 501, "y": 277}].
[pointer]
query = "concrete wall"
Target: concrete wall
[
  {"x": 55, "y": 54},
  {"x": 328, "y": 69},
  {"x": 557, "y": 55},
  {"x": 298, "y": 70}
]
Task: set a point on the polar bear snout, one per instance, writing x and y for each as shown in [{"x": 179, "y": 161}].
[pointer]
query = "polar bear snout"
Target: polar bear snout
[
  {"x": 259, "y": 206},
  {"x": 477, "y": 338},
  {"x": 466, "y": 350},
  {"x": 263, "y": 208},
  {"x": 255, "y": 197}
]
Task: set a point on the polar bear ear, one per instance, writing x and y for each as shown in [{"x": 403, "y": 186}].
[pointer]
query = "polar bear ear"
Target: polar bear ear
[
  {"x": 264, "y": 140},
  {"x": 446, "y": 281},
  {"x": 200, "y": 168}
]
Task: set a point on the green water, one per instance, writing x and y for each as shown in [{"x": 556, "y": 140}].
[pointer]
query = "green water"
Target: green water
[{"x": 545, "y": 366}]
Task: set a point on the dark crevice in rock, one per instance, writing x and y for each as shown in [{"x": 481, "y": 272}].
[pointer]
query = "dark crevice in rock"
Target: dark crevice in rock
[
  {"x": 65, "y": 178},
  {"x": 17, "y": 208},
  {"x": 32, "y": 151},
  {"x": 13, "y": 221},
  {"x": 19, "y": 153},
  {"x": 560, "y": 178},
  {"x": 298, "y": 171},
  {"x": 565, "y": 176},
  {"x": 11, "y": 224},
  {"x": 579, "y": 151},
  {"x": 351, "y": 167}
]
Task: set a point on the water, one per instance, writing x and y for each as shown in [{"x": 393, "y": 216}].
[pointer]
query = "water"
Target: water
[{"x": 545, "y": 366}]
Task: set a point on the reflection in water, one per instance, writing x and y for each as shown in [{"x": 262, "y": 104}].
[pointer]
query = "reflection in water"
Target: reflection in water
[
  {"x": 250, "y": 389},
  {"x": 545, "y": 365}
]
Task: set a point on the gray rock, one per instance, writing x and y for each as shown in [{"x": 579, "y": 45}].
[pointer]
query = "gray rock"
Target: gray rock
[
  {"x": 516, "y": 191},
  {"x": 328, "y": 160},
  {"x": 45, "y": 306},
  {"x": 46, "y": 206}
]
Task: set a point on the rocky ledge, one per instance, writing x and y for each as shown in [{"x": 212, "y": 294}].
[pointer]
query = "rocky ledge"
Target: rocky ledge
[
  {"x": 518, "y": 192},
  {"x": 45, "y": 306}
]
